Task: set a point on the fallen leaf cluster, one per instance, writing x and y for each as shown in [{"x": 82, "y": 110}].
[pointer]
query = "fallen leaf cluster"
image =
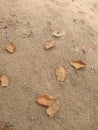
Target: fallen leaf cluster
[{"x": 51, "y": 103}]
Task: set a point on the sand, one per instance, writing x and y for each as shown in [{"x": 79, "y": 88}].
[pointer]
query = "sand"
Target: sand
[{"x": 31, "y": 68}]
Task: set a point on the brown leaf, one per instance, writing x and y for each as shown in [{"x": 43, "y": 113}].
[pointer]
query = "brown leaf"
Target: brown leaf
[
  {"x": 78, "y": 64},
  {"x": 53, "y": 109},
  {"x": 84, "y": 48},
  {"x": 49, "y": 45},
  {"x": 45, "y": 100},
  {"x": 4, "y": 79},
  {"x": 11, "y": 48},
  {"x": 60, "y": 73}
]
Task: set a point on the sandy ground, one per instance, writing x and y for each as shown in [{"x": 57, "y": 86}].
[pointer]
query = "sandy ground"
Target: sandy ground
[{"x": 31, "y": 68}]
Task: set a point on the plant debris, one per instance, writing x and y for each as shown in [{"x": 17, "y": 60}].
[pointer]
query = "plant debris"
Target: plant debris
[
  {"x": 49, "y": 45},
  {"x": 4, "y": 79},
  {"x": 11, "y": 48},
  {"x": 50, "y": 102},
  {"x": 78, "y": 64},
  {"x": 60, "y": 73},
  {"x": 53, "y": 109},
  {"x": 45, "y": 100}
]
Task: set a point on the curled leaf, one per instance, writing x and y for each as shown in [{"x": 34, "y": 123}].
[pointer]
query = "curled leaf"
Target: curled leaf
[
  {"x": 78, "y": 64},
  {"x": 60, "y": 73},
  {"x": 49, "y": 45},
  {"x": 53, "y": 109},
  {"x": 11, "y": 48},
  {"x": 45, "y": 100},
  {"x": 4, "y": 79},
  {"x": 58, "y": 34}
]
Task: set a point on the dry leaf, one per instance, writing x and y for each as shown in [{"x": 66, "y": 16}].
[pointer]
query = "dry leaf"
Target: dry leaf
[
  {"x": 58, "y": 34},
  {"x": 4, "y": 79},
  {"x": 78, "y": 64},
  {"x": 11, "y": 48},
  {"x": 45, "y": 100},
  {"x": 53, "y": 109},
  {"x": 49, "y": 45},
  {"x": 60, "y": 73},
  {"x": 84, "y": 48}
]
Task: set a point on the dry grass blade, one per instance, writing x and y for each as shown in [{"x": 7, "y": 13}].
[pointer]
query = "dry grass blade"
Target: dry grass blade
[
  {"x": 4, "y": 79},
  {"x": 60, "y": 73},
  {"x": 49, "y": 45},
  {"x": 11, "y": 48},
  {"x": 78, "y": 64},
  {"x": 53, "y": 109},
  {"x": 45, "y": 100}
]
